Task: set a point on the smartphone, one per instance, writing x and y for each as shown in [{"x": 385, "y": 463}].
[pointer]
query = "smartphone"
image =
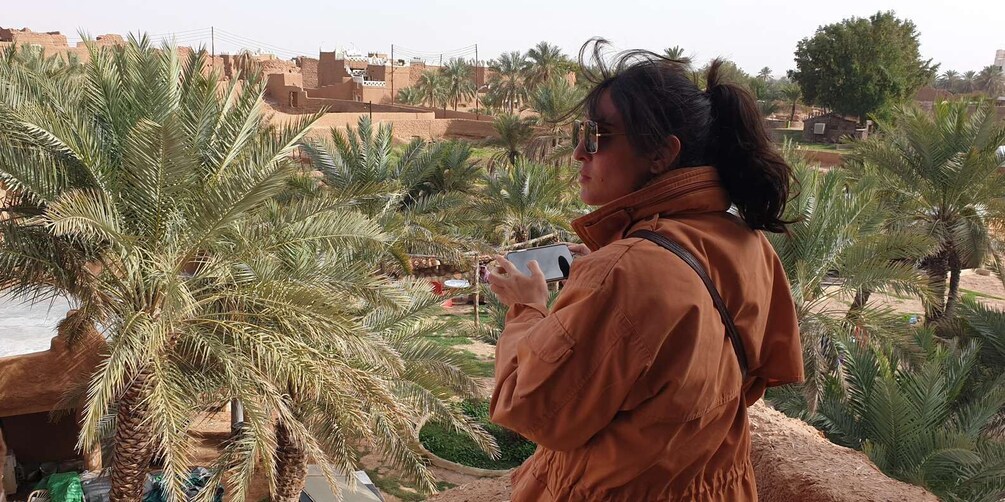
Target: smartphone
[{"x": 555, "y": 261}]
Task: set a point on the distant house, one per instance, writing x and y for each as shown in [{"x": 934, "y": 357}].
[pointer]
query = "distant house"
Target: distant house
[
  {"x": 927, "y": 96},
  {"x": 830, "y": 128}
]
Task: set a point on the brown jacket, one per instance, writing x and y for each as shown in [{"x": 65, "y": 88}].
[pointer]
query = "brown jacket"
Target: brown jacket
[{"x": 630, "y": 385}]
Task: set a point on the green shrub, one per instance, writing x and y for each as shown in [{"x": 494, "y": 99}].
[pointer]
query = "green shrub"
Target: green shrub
[{"x": 446, "y": 443}]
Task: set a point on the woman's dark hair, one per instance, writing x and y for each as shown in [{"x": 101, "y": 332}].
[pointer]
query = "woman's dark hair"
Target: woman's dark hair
[{"x": 721, "y": 126}]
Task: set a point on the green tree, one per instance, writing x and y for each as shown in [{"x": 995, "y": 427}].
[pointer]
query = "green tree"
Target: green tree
[
  {"x": 410, "y": 96},
  {"x": 527, "y": 200},
  {"x": 432, "y": 85},
  {"x": 460, "y": 83},
  {"x": 160, "y": 200},
  {"x": 554, "y": 103},
  {"x": 514, "y": 135},
  {"x": 968, "y": 82},
  {"x": 949, "y": 80},
  {"x": 941, "y": 176},
  {"x": 792, "y": 94},
  {"x": 676, "y": 53},
  {"x": 839, "y": 246},
  {"x": 926, "y": 420},
  {"x": 546, "y": 63},
  {"x": 401, "y": 190},
  {"x": 764, "y": 74},
  {"x": 991, "y": 80},
  {"x": 861, "y": 66},
  {"x": 507, "y": 84}
]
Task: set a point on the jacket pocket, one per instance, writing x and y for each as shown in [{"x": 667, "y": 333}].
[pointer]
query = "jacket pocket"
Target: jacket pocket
[{"x": 551, "y": 344}]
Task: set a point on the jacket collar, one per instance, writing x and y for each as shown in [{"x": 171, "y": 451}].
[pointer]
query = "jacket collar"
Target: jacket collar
[{"x": 681, "y": 191}]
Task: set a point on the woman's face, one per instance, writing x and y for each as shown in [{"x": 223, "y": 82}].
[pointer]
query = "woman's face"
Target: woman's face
[{"x": 616, "y": 169}]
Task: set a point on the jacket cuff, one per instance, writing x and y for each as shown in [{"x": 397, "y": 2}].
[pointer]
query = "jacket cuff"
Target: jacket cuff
[{"x": 530, "y": 309}]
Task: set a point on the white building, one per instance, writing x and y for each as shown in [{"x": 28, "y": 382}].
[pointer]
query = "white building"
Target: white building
[{"x": 1000, "y": 59}]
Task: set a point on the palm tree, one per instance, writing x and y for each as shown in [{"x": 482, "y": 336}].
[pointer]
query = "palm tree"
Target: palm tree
[
  {"x": 765, "y": 74},
  {"x": 928, "y": 422},
  {"x": 547, "y": 62},
  {"x": 968, "y": 82},
  {"x": 837, "y": 247},
  {"x": 460, "y": 84},
  {"x": 400, "y": 191},
  {"x": 991, "y": 80},
  {"x": 432, "y": 85},
  {"x": 143, "y": 168},
  {"x": 949, "y": 80},
  {"x": 514, "y": 134},
  {"x": 792, "y": 94},
  {"x": 527, "y": 200},
  {"x": 554, "y": 103},
  {"x": 941, "y": 173},
  {"x": 410, "y": 96},
  {"x": 507, "y": 82},
  {"x": 168, "y": 230},
  {"x": 676, "y": 53}
]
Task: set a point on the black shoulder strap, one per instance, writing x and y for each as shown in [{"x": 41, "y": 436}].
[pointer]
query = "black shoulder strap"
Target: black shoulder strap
[{"x": 727, "y": 319}]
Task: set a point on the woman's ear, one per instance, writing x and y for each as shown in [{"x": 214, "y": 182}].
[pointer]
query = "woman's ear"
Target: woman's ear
[{"x": 665, "y": 157}]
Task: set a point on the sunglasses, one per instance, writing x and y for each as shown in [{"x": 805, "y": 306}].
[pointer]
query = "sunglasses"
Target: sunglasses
[{"x": 589, "y": 132}]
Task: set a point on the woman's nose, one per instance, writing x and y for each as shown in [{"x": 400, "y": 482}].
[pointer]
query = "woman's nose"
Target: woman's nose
[{"x": 579, "y": 153}]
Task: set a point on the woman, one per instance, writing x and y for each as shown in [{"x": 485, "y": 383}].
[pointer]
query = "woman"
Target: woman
[{"x": 629, "y": 384}]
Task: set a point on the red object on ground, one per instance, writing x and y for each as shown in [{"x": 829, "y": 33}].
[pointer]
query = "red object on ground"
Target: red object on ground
[{"x": 438, "y": 288}]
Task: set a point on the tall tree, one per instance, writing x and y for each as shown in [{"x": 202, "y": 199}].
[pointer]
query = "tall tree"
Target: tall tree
[
  {"x": 968, "y": 82},
  {"x": 547, "y": 62},
  {"x": 459, "y": 81},
  {"x": 514, "y": 134},
  {"x": 554, "y": 101},
  {"x": 523, "y": 202},
  {"x": 159, "y": 199},
  {"x": 838, "y": 246},
  {"x": 764, "y": 74},
  {"x": 860, "y": 66},
  {"x": 928, "y": 419},
  {"x": 941, "y": 175},
  {"x": 991, "y": 80},
  {"x": 792, "y": 94},
  {"x": 507, "y": 83},
  {"x": 676, "y": 53},
  {"x": 949, "y": 81},
  {"x": 433, "y": 87}
]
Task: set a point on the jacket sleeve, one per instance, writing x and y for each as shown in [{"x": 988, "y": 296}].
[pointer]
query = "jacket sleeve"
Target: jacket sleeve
[{"x": 562, "y": 376}]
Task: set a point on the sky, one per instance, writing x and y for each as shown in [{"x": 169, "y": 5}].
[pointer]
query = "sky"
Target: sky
[{"x": 960, "y": 35}]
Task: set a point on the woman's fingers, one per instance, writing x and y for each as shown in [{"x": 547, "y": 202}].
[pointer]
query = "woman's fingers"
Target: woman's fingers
[{"x": 507, "y": 265}]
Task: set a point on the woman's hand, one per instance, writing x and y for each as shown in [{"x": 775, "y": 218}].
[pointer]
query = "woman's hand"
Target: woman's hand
[
  {"x": 577, "y": 249},
  {"x": 513, "y": 287}
]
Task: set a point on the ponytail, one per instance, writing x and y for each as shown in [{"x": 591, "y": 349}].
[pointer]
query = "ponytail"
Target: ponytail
[
  {"x": 752, "y": 170},
  {"x": 721, "y": 127}
]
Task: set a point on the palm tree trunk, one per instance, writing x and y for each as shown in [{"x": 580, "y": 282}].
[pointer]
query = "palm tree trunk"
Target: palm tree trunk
[
  {"x": 861, "y": 298},
  {"x": 132, "y": 451},
  {"x": 936, "y": 267},
  {"x": 792, "y": 116},
  {"x": 291, "y": 467},
  {"x": 953, "y": 296}
]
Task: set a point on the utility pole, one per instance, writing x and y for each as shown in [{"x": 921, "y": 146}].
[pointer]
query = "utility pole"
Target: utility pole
[
  {"x": 476, "y": 83},
  {"x": 392, "y": 74},
  {"x": 441, "y": 59},
  {"x": 212, "y": 46}
]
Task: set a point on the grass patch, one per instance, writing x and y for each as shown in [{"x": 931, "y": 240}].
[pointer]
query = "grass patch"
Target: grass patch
[
  {"x": 473, "y": 365},
  {"x": 393, "y": 486},
  {"x": 459, "y": 448}
]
